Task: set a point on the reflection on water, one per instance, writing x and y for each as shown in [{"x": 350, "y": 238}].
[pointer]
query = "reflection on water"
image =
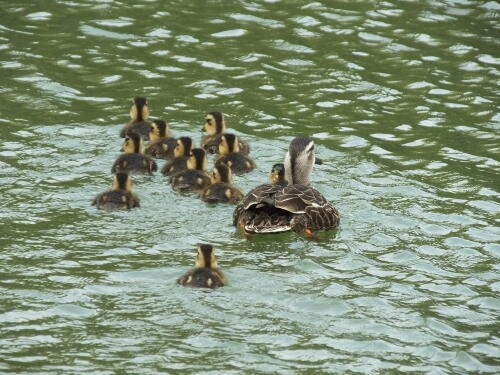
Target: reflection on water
[{"x": 401, "y": 100}]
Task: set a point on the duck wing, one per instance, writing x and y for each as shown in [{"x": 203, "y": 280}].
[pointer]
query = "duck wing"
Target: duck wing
[
  {"x": 262, "y": 194},
  {"x": 278, "y": 208},
  {"x": 257, "y": 211},
  {"x": 296, "y": 198},
  {"x": 310, "y": 208}
]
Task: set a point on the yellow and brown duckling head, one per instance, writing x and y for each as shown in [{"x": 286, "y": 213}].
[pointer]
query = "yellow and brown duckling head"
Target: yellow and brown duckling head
[
  {"x": 214, "y": 123},
  {"x": 205, "y": 258},
  {"x": 139, "y": 111},
  {"x": 122, "y": 181},
  {"x": 221, "y": 173},
  {"x": 183, "y": 147},
  {"x": 159, "y": 129},
  {"x": 197, "y": 160},
  {"x": 228, "y": 143},
  {"x": 277, "y": 174},
  {"x": 133, "y": 143}
]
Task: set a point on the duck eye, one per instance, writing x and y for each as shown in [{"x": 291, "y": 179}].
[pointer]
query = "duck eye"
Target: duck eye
[{"x": 208, "y": 120}]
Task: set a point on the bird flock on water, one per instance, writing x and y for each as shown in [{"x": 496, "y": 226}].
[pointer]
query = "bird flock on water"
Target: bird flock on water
[{"x": 287, "y": 202}]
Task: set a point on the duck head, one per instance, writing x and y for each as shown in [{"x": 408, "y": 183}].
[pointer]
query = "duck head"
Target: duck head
[
  {"x": 214, "y": 123},
  {"x": 197, "y": 159},
  {"x": 133, "y": 144},
  {"x": 299, "y": 161},
  {"x": 159, "y": 129},
  {"x": 122, "y": 181},
  {"x": 205, "y": 258},
  {"x": 139, "y": 111}
]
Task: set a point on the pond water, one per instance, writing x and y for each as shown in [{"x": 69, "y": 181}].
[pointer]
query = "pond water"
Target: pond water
[{"x": 401, "y": 98}]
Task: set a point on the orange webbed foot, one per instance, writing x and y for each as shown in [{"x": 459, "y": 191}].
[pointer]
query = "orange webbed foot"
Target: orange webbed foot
[{"x": 309, "y": 233}]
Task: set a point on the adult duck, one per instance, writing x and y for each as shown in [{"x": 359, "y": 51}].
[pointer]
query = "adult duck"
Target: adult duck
[{"x": 297, "y": 207}]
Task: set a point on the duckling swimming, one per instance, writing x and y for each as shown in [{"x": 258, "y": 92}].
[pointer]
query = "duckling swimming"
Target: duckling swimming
[
  {"x": 194, "y": 178},
  {"x": 139, "y": 113},
  {"x": 215, "y": 126},
  {"x": 182, "y": 151},
  {"x": 229, "y": 154},
  {"x": 119, "y": 197},
  {"x": 297, "y": 206},
  {"x": 206, "y": 273},
  {"x": 162, "y": 143},
  {"x": 221, "y": 189},
  {"x": 134, "y": 160}
]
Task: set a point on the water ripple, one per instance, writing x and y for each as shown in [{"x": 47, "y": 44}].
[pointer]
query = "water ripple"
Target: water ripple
[{"x": 403, "y": 115}]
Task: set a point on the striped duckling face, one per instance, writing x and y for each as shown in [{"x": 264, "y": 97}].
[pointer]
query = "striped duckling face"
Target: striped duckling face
[
  {"x": 228, "y": 143},
  {"x": 205, "y": 258},
  {"x": 159, "y": 129},
  {"x": 221, "y": 173},
  {"x": 214, "y": 123},
  {"x": 197, "y": 160},
  {"x": 183, "y": 147},
  {"x": 133, "y": 144},
  {"x": 277, "y": 173},
  {"x": 139, "y": 111},
  {"x": 122, "y": 181}
]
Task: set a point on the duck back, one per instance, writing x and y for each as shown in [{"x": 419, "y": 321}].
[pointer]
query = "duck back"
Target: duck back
[
  {"x": 190, "y": 179},
  {"x": 140, "y": 127},
  {"x": 210, "y": 144},
  {"x": 201, "y": 278},
  {"x": 221, "y": 192},
  {"x": 162, "y": 148},
  {"x": 175, "y": 165},
  {"x": 238, "y": 162},
  {"x": 116, "y": 199},
  {"x": 134, "y": 164}
]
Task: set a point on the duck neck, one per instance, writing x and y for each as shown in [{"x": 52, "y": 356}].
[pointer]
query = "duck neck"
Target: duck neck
[{"x": 296, "y": 172}]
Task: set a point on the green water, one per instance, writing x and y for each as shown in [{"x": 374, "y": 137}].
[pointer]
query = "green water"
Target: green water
[{"x": 401, "y": 98}]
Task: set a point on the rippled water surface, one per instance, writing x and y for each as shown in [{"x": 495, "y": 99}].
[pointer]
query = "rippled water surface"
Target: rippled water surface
[{"x": 401, "y": 98}]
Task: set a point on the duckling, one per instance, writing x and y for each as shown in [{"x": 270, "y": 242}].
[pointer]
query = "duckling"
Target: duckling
[
  {"x": 277, "y": 175},
  {"x": 221, "y": 189},
  {"x": 215, "y": 126},
  {"x": 182, "y": 151},
  {"x": 195, "y": 177},
  {"x": 133, "y": 159},
  {"x": 120, "y": 196},
  {"x": 162, "y": 143},
  {"x": 229, "y": 154},
  {"x": 206, "y": 273},
  {"x": 139, "y": 113}
]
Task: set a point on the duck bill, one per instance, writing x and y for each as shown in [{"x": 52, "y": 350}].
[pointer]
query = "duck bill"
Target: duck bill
[{"x": 318, "y": 161}]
